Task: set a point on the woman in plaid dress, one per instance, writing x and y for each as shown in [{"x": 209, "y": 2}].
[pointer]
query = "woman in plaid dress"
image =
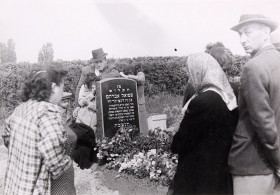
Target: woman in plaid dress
[{"x": 35, "y": 135}]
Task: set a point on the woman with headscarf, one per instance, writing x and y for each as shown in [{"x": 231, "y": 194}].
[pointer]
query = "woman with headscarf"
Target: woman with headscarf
[{"x": 205, "y": 134}]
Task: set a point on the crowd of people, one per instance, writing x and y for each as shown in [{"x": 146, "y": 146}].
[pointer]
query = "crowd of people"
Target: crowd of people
[{"x": 228, "y": 141}]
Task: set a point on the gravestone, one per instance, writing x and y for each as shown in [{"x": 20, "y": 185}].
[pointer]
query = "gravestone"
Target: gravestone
[{"x": 116, "y": 101}]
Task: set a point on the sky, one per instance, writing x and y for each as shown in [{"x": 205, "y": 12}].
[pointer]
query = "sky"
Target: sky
[{"x": 125, "y": 28}]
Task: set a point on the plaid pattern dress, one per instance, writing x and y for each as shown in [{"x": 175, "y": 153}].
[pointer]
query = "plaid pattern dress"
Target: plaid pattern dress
[
  {"x": 64, "y": 184},
  {"x": 35, "y": 137}
]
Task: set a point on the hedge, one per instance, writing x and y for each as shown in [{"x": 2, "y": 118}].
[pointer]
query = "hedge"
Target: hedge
[{"x": 163, "y": 74}]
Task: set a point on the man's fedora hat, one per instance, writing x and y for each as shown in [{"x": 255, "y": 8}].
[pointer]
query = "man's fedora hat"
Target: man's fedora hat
[
  {"x": 255, "y": 18},
  {"x": 98, "y": 55}
]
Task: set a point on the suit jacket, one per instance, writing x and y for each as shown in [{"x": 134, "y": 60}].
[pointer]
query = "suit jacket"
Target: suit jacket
[{"x": 255, "y": 149}]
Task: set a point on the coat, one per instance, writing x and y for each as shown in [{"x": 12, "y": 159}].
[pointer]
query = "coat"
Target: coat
[
  {"x": 83, "y": 153},
  {"x": 203, "y": 142},
  {"x": 256, "y": 144}
]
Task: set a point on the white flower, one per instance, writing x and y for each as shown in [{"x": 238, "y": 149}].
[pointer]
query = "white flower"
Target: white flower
[
  {"x": 152, "y": 175},
  {"x": 154, "y": 151},
  {"x": 158, "y": 171},
  {"x": 141, "y": 154}
]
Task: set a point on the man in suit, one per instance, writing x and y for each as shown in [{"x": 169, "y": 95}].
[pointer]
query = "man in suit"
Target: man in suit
[
  {"x": 254, "y": 158},
  {"x": 275, "y": 40},
  {"x": 99, "y": 67}
]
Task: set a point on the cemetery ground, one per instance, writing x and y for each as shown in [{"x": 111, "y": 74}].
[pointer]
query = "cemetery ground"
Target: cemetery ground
[{"x": 97, "y": 179}]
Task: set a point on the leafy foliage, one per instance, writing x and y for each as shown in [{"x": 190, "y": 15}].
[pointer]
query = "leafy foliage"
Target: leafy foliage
[
  {"x": 163, "y": 75},
  {"x": 139, "y": 155}
]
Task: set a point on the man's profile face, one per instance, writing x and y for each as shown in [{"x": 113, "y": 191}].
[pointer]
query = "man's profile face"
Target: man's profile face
[
  {"x": 101, "y": 64},
  {"x": 252, "y": 37}
]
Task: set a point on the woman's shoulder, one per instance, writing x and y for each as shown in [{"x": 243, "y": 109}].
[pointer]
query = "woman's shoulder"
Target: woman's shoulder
[
  {"x": 140, "y": 73},
  {"x": 207, "y": 100},
  {"x": 208, "y": 97},
  {"x": 47, "y": 107}
]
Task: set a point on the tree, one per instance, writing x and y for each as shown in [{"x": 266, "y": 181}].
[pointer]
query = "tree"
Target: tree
[
  {"x": 7, "y": 52},
  {"x": 46, "y": 53}
]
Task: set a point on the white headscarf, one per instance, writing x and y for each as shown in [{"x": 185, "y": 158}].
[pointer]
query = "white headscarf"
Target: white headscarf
[{"x": 205, "y": 74}]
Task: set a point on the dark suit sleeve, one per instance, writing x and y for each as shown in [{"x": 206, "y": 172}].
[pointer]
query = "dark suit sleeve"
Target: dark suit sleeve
[
  {"x": 81, "y": 81},
  {"x": 194, "y": 123},
  {"x": 254, "y": 85}
]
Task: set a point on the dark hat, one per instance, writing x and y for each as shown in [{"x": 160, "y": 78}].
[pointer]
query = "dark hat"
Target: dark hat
[
  {"x": 255, "y": 18},
  {"x": 98, "y": 55},
  {"x": 66, "y": 95}
]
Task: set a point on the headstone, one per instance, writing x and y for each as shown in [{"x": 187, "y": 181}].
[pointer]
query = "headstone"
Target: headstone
[
  {"x": 157, "y": 121},
  {"x": 116, "y": 101}
]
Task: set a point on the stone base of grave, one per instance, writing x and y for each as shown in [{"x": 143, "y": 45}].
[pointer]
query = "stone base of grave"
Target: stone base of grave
[
  {"x": 157, "y": 121},
  {"x": 128, "y": 184}
]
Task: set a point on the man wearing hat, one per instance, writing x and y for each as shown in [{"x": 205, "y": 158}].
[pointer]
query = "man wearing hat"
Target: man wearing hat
[
  {"x": 99, "y": 67},
  {"x": 254, "y": 158}
]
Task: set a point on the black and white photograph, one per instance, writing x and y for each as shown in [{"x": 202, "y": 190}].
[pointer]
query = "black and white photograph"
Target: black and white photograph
[{"x": 139, "y": 97}]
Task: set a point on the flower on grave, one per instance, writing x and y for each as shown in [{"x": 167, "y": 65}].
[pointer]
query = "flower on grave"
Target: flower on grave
[{"x": 141, "y": 156}]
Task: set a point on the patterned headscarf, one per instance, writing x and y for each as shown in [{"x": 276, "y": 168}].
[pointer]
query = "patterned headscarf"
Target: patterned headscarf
[{"x": 206, "y": 74}]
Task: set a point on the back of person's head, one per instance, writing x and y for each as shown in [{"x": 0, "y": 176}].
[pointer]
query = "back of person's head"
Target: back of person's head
[
  {"x": 137, "y": 68},
  {"x": 38, "y": 84},
  {"x": 90, "y": 78},
  {"x": 222, "y": 55}
]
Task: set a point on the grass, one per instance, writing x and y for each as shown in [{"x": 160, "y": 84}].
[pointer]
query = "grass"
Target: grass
[
  {"x": 166, "y": 104},
  {"x": 3, "y": 115},
  {"x": 160, "y": 104}
]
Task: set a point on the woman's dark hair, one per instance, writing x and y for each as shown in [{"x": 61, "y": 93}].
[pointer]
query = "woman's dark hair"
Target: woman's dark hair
[
  {"x": 39, "y": 82},
  {"x": 222, "y": 55},
  {"x": 90, "y": 79},
  {"x": 137, "y": 68}
]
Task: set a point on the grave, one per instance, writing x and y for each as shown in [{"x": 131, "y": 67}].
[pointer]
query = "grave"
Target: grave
[
  {"x": 157, "y": 121},
  {"x": 116, "y": 102}
]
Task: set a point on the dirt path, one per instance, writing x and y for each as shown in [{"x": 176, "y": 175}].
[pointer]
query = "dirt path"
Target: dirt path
[{"x": 87, "y": 182}]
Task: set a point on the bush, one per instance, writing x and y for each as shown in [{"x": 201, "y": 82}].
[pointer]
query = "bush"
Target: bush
[{"x": 163, "y": 75}]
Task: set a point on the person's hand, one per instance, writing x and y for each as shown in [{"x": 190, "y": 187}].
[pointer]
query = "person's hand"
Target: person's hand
[
  {"x": 92, "y": 106},
  {"x": 123, "y": 75}
]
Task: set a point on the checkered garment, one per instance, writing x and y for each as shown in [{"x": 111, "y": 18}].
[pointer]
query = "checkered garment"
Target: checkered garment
[{"x": 35, "y": 136}]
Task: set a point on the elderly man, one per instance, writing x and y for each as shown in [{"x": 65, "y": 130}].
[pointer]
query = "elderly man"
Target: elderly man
[
  {"x": 99, "y": 67},
  {"x": 254, "y": 158},
  {"x": 275, "y": 40}
]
